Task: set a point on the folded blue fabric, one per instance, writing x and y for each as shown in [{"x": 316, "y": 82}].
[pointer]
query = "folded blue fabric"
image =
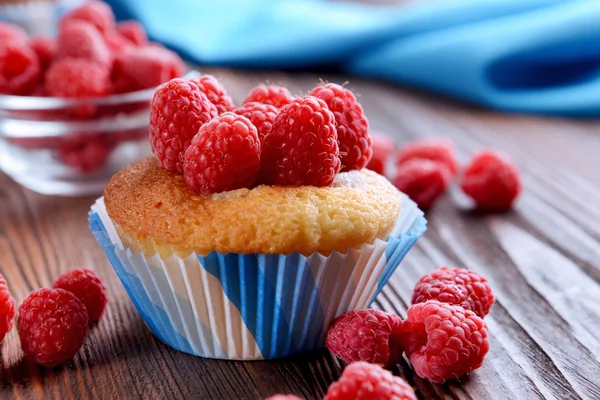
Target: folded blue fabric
[{"x": 538, "y": 56}]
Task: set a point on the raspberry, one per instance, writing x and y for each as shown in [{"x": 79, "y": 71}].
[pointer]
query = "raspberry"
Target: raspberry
[
  {"x": 364, "y": 381},
  {"x": 492, "y": 180},
  {"x": 145, "y": 67},
  {"x": 301, "y": 148},
  {"x": 133, "y": 31},
  {"x": 212, "y": 88},
  {"x": 52, "y": 326},
  {"x": 383, "y": 148},
  {"x": 80, "y": 40},
  {"x": 11, "y": 33},
  {"x": 261, "y": 115},
  {"x": 85, "y": 153},
  {"x": 443, "y": 341},
  {"x": 436, "y": 149},
  {"x": 274, "y": 95},
  {"x": 457, "y": 286},
  {"x": 224, "y": 155},
  {"x": 284, "y": 397},
  {"x": 117, "y": 44},
  {"x": 424, "y": 181},
  {"x": 178, "y": 110},
  {"x": 365, "y": 335},
  {"x": 352, "y": 125},
  {"x": 88, "y": 288},
  {"x": 20, "y": 68},
  {"x": 73, "y": 77},
  {"x": 45, "y": 48},
  {"x": 93, "y": 12},
  {"x": 7, "y": 309}
]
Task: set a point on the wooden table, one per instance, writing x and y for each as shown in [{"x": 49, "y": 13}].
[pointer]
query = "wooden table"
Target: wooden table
[{"x": 542, "y": 259}]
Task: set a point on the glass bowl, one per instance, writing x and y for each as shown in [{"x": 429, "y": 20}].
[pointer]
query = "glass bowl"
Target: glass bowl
[{"x": 72, "y": 147}]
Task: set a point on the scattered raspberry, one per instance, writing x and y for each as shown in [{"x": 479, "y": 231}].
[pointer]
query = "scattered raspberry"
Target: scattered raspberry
[
  {"x": 80, "y": 40},
  {"x": 144, "y": 68},
  {"x": 212, "y": 88},
  {"x": 19, "y": 68},
  {"x": 365, "y": 335},
  {"x": 52, "y": 326},
  {"x": 301, "y": 148},
  {"x": 45, "y": 48},
  {"x": 73, "y": 77},
  {"x": 437, "y": 149},
  {"x": 364, "y": 381},
  {"x": 178, "y": 110},
  {"x": 383, "y": 148},
  {"x": 94, "y": 12},
  {"x": 261, "y": 115},
  {"x": 424, "y": 181},
  {"x": 88, "y": 288},
  {"x": 85, "y": 153},
  {"x": 443, "y": 341},
  {"x": 492, "y": 180},
  {"x": 352, "y": 125},
  {"x": 7, "y": 309},
  {"x": 11, "y": 33},
  {"x": 274, "y": 95},
  {"x": 134, "y": 32},
  {"x": 224, "y": 155},
  {"x": 456, "y": 286},
  {"x": 284, "y": 397}
]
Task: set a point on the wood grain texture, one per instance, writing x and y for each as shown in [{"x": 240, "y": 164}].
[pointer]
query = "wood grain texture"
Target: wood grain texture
[{"x": 543, "y": 260}]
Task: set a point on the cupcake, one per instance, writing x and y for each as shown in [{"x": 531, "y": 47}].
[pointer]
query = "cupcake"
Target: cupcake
[{"x": 253, "y": 272}]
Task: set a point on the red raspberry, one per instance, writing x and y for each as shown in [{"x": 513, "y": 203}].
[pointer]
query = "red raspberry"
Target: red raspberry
[
  {"x": 179, "y": 109},
  {"x": 274, "y": 95},
  {"x": 436, "y": 149},
  {"x": 424, "y": 181},
  {"x": 86, "y": 153},
  {"x": 301, "y": 148},
  {"x": 215, "y": 92},
  {"x": 284, "y": 397},
  {"x": 7, "y": 309},
  {"x": 383, "y": 148},
  {"x": 52, "y": 326},
  {"x": 224, "y": 155},
  {"x": 11, "y": 33},
  {"x": 492, "y": 180},
  {"x": 94, "y": 12},
  {"x": 352, "y": 125},
  {"x": 365, "y": 335},
  {"x": 364, "y": 381},
  {"x": 117, "y": 44},
  {"x": 145, "y": 67},
  {"x": 443, "y": 341},
  {"x": 73, "y": 77},
  {"x": 88, "y": 288},
  {"x": 261, "y": 115},
  {"x": 79, "y": 39},
  {"x": 45, "y": 48},
  {"x": 457, "y": 286},
  {"x": 134, "y": 32},
  {"x": 20, "y": 68}
]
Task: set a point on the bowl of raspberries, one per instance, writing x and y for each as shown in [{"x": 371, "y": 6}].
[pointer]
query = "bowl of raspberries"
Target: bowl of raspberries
[{"x": 74, "y": 108}]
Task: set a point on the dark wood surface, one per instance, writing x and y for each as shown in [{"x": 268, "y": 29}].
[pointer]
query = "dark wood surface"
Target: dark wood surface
[{"x": 542, "y": 259}]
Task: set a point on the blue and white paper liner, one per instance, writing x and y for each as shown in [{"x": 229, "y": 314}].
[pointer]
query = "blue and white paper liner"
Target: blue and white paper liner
[{"x": 253, "y": 306}]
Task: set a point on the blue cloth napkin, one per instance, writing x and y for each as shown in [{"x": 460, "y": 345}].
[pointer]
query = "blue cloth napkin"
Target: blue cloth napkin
[{"x": 538, "y": 56}]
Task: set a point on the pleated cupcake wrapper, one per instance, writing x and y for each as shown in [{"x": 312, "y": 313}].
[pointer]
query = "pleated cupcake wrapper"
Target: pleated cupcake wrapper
[{"x": 253, "y": 306}]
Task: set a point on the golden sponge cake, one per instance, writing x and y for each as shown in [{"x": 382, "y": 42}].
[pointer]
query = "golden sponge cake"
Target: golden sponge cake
[{"x": 155, "y": 211}]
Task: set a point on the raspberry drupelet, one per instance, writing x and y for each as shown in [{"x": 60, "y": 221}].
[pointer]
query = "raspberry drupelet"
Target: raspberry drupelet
[{"x": 277, "y": 96}]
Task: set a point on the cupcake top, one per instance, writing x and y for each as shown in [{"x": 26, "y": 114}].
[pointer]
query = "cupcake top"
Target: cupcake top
[{"x": 156, "y": 212}]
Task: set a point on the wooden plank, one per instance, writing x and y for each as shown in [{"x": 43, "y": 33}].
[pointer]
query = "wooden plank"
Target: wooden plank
[{"x": 543, "y": 260}]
